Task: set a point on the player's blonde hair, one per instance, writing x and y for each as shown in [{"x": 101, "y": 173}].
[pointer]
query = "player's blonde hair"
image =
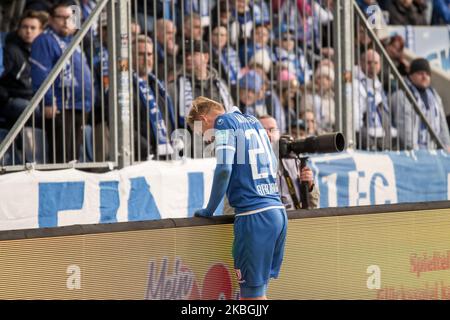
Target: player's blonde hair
[{"x": 201, "y": 106}]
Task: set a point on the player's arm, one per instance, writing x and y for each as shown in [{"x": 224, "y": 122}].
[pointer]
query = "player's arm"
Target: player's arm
[{"x": 225, "y": 157}]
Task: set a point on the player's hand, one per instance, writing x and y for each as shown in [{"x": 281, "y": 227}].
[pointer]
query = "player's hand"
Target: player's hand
[{"x": 202, "y": 213}]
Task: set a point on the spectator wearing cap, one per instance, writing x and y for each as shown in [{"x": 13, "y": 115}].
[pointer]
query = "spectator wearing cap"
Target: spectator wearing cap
[
  {"x": 250, "y": 88},
  {"x": 225, "y": 58},
  {"x": 441, "y": 12},
  {"x": 321, "y": 98},
  {"x": 412, "y": 131},
  {"x": 199, "y": 80},
  {"x": 286, "y": 51},
  {"x": 246, "y": 15},
  {"x": 371, "y": 114},
  {"x": 405, "y": 12}
]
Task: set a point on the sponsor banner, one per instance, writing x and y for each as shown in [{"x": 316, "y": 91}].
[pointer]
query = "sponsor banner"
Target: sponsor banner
[
  {"x": 398, "y": 255},
  {"x": 158, "y": 190}
]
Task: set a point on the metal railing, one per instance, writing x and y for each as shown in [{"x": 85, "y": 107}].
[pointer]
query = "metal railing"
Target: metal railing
[
  {"x": 55, "y": 134},
  {"x": 381, "y": 94},
  {"x": 145, "y": 71}
]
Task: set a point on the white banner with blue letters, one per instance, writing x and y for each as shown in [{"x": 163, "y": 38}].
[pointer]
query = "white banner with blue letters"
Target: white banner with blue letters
[
  {"x": 364, "y": 178},
  {"x": 147, "y": 191},
  {"x": 159, "y": 190}
]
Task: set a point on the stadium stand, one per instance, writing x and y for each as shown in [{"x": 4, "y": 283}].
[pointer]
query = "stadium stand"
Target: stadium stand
[{"x": 299, "y": 38}]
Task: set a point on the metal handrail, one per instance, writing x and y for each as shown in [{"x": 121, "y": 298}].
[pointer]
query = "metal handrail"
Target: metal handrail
[
  {"x": 398, "y": 76},
  {"x": 39, "y": 95}
]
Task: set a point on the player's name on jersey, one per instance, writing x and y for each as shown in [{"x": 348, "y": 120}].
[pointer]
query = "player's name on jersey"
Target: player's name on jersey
[
  {"x": 241, "y": 119},
  {"x": 267, "y": 188}
]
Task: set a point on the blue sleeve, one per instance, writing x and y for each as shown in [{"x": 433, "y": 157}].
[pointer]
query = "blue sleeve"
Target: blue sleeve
[
  {"x": 443, "y": 9},
  {"x": 222, "y": 176},
  {"x": 225, "y": 142},
  {"x": 41, "y": 60}
]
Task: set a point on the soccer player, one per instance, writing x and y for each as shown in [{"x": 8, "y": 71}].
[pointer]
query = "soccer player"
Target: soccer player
[{"x": 246, "y": 170}]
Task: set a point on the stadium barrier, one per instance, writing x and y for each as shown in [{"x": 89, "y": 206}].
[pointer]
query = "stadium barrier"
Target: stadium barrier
[
  {"x": 100, "y": 123},
  {"x": 384, "y": 252},
  {"x": 161, "y": 190}
]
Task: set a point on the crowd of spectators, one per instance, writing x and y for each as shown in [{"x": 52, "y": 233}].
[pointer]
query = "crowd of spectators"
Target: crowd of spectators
[{"x": 268, "y": 58}]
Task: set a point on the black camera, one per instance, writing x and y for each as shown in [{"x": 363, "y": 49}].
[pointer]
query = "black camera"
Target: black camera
[
  {"x": 290, "y": 148},
  {"x": 331, "y": 142}
]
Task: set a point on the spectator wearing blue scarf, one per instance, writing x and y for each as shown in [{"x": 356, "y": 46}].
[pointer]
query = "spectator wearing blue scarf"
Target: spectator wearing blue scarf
[
  {"x": 413, "y": 133},
  {"x": 72, "y": 89},
  {"x": 260, "y": 42},
  {"x": 288, "y": 53},
  {"x": 225, "y": 58},
  {"x": 154, "y": 117},
  {"x": 246, "y": 16}
]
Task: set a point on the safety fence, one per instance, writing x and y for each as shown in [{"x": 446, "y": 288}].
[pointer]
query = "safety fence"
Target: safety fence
[{"x": 119, "y": 91}]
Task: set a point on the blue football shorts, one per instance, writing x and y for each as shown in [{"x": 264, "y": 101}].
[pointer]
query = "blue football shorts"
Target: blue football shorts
[{"x": 258, "y": 249}]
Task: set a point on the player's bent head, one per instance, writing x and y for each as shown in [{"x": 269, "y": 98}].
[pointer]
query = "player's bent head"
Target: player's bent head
[{"x": 204, "y": 110}]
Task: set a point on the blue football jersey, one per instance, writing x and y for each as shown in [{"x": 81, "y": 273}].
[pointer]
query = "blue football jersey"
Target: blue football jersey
[{"x": 253, "y": 181}]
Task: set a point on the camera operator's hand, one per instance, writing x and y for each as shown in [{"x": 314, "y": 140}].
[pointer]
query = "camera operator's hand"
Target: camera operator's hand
[{"x": 306, "y": 175}]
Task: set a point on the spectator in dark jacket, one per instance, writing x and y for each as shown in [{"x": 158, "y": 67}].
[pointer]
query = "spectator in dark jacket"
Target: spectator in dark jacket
[
  {"x": 15, "y": 83},
  {"x": 405, "y": 12},
  {"x": 15, "y": 86},
  {"x": 441, "y": 12},
  {"x": 395, "y": 49},
  {"x": 72, "y": 89},
  {"x": 365, "y": 4}
]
